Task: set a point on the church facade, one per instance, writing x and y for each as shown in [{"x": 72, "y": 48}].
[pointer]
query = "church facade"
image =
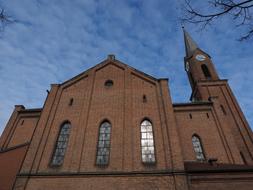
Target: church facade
[{"x": 114, "y": 127}]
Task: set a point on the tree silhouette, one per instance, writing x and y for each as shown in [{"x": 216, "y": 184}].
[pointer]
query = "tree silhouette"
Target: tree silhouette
[
  {"x": 5, "y": 19},
  {"x": 240, "y": 11}
]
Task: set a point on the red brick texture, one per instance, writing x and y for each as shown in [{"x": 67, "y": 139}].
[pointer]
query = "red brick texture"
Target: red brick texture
[{"x": 10, "y": 163}]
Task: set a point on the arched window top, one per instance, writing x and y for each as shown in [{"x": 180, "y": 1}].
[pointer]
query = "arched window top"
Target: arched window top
[
  {"x": 206, "y": 71},
  {"x": 198, "y": 149},
  {"x": 61, "y": 144},
  {"x": 105, "y": 123},
  {"x": 146, "y": 121},
  {"x": 103, "y": 147},
  {"x": 195, "y": 136},
  {"x": 146, "y": 126},
  {"x": 147, "y": 142},
  {"x": 65, "y": 122},
  {"x": 65, "y": 127}
]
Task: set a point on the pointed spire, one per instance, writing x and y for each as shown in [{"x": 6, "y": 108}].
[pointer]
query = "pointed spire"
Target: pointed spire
[{"x": 190, "y": 44}]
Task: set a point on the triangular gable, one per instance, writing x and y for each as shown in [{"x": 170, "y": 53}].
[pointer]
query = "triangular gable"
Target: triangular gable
[{"x": 103, "y": 64}]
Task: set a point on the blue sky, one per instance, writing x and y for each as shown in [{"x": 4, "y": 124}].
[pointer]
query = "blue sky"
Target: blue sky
[{"x": 56, "y": 40}]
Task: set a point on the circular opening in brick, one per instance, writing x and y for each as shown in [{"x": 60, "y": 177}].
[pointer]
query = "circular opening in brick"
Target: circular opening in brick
[{"x": 108, "y": 83}]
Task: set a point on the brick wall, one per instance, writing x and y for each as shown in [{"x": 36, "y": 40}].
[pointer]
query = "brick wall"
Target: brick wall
[{"x": 10, "y": 163}]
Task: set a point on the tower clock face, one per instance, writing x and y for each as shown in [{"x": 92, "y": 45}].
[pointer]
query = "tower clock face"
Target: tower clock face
[{"x": 200, "y": 57}]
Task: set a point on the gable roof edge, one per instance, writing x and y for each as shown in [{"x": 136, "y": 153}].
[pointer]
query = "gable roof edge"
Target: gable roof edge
[{"x": 102, "y": 64}]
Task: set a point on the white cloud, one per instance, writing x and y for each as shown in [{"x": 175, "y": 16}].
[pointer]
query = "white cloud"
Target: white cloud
[{"x": 54, "y": 41}]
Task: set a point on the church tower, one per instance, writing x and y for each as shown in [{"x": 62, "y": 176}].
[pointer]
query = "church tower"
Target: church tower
[
  {"x": 198, "y": 64},
  {"x": 207, "y": 86}
]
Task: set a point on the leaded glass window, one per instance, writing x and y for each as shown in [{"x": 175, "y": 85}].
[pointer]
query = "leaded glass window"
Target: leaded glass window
[
  {"x": 147, "y": 142},
  {"x": 198, "y": 149},
  {"x": 61, "y": 145},
  {"x": 103, "y": 147}
]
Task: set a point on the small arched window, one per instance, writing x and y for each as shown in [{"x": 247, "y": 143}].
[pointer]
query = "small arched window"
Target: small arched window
[
  {"x": 147, "y": 142},
  {"x": 198, "y": 149},
  {"x": 144, "y": 98},
  {"x": 103, "y": 147},
  {"x": 61, "y": 144},
  {"x": 206, "y": 71},
  {"x": 71, "y": 101}
]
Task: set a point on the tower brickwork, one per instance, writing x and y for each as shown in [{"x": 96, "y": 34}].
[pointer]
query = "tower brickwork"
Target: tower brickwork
[{"x": 207, "y": 86}]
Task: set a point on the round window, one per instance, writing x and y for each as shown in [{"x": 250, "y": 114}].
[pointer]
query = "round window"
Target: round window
[{"x": 108, "y": 83}]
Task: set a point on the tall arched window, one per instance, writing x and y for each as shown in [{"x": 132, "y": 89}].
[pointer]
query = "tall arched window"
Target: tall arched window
[
  {"x": 147, "y": 142},
  {"x": 103, "y": 147},
  {"x": 61, "y": 144},
  {"x": 198, "y": 149},
  {"x": 206, "y": 71}
]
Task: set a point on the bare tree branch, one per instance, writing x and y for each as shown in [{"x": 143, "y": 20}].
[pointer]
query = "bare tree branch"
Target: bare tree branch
[
  {"x": 239, "y": 10},
  {"x": 247, "y": 36},
  {"x": 5, "y": 19}
]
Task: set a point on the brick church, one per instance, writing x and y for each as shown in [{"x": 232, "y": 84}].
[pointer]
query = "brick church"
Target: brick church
[{"x": 114, "y": 127}]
